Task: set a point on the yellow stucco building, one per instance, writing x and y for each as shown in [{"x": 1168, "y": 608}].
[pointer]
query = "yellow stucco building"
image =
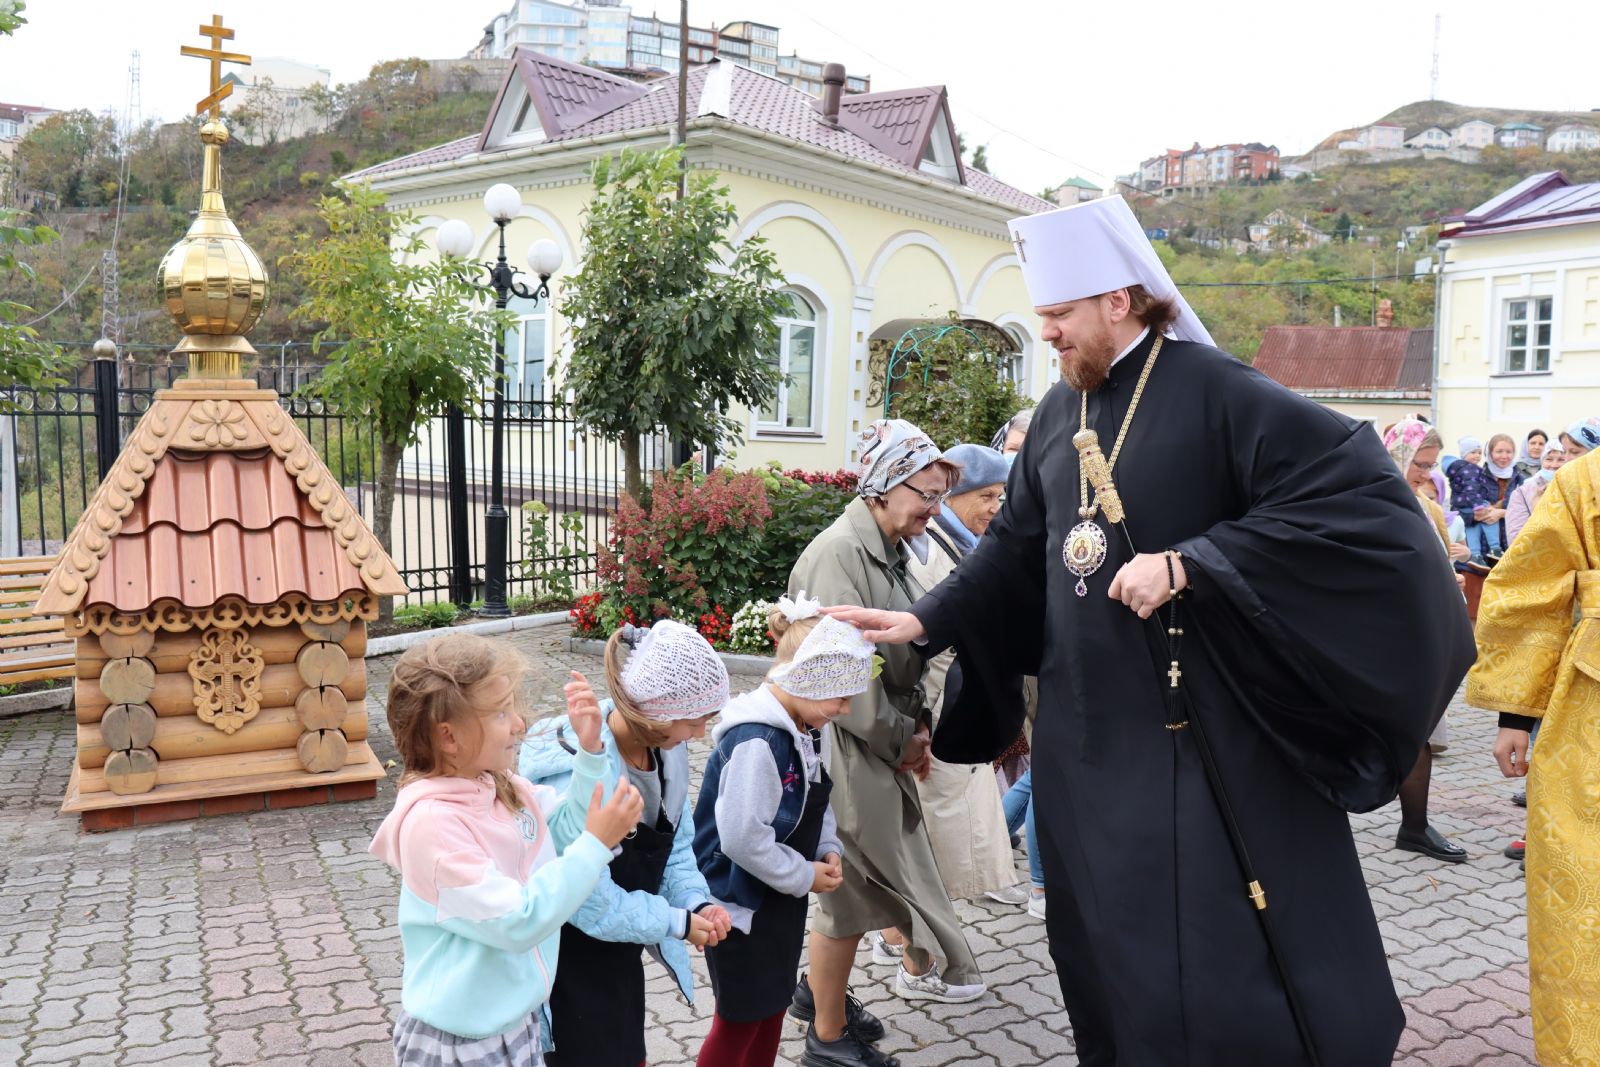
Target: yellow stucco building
[
  {"x": 864, "y": 200},
  {"x": 1519, "y": 312}
]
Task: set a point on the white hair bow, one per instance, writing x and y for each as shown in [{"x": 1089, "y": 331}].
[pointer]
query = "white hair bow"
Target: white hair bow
[{"x": 801, "y": 607}]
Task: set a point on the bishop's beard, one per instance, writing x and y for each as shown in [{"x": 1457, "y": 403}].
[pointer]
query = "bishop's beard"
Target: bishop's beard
[{"x": 1086, "y": 368}]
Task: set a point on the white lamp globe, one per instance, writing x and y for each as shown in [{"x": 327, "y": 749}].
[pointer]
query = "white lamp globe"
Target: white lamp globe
[
  {"x": 454, "y": 238},
  {"x": 544, "y": 256},
  {"x": 502, "y": 202}
]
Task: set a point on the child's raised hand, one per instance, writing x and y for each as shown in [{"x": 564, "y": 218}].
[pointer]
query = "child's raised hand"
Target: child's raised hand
[
  {"x": 702, "y": 931},
  {"x": 616, "y": 818},
  {"x": 827, "y": 875},
  {"x": 583, "y": 712}
]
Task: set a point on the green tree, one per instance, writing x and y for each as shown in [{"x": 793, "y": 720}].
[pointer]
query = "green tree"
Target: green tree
[
  {"x": 1344, "y": 229},
  {"x": 980, "y": 158},
  {"x": 24, "y": 358},
  {"x": 416, "y": 338},
  {"x": 953, "y": 389},
  {"x": 671, "y": 322}
]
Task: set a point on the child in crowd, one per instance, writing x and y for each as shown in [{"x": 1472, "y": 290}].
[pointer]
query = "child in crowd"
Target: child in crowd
[
  {"x": 765, "y": 836},
  {"x": 490, "y": 865},
  {"x": 666, "y": 684}
]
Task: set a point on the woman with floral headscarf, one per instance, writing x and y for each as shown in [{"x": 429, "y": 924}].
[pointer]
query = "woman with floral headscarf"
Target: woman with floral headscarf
[
  {"x": 879, "y": 749},
  {"x": 1414, "y": 446}
]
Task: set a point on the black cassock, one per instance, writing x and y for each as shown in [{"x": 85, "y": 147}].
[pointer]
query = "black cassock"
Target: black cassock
[{"x": 1324, "y": 636}]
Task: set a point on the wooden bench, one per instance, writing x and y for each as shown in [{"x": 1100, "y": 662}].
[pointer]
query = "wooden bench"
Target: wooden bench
[{"x": 32, "y": 649}]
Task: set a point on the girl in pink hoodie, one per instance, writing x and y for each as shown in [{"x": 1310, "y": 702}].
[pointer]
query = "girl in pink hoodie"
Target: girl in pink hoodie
[{"x": 490, "y": 865}]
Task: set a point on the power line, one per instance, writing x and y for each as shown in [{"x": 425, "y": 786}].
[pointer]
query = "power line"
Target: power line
[
  {"x": 67, "y": 299},
  {"x": 1366, "y": 278}
]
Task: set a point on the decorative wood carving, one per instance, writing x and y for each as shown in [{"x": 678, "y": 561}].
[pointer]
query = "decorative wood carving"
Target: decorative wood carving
[
  {"x": 227, "y": 673},
  {"x": 326, "y": 631},
  {"x": 219, "y": 425},
  {"x": 229, "y": 613}
]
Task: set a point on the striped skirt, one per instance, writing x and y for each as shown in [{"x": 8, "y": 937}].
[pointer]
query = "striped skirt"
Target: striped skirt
[{"x": 416, "y": 1044}]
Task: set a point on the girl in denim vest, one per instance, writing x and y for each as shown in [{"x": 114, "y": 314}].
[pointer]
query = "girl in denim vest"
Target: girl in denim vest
[{"x": 764, "y": 833}]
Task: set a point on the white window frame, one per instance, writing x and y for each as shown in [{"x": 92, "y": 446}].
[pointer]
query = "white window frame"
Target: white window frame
[
  {"x": 1531, "y": 320},
  {"x": 817, "y": 325},
  {"x": 516, "y": 362}
]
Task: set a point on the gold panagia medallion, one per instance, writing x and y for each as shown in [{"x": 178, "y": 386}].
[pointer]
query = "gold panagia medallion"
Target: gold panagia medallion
[{"x": 1083, "y": 552}]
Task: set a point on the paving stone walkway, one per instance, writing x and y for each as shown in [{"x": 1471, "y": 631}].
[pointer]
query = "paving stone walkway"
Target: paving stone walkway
[{"x": 269, "y": 938}]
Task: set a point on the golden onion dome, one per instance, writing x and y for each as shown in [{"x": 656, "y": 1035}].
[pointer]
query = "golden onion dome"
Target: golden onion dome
[{"x": 213, "y": 283}]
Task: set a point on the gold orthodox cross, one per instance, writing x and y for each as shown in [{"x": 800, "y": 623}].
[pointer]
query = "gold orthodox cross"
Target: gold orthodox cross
[{"x": 220, "y": 90}]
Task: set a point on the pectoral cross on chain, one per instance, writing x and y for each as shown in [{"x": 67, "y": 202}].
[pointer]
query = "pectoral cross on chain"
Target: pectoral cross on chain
[
  {"x": 1173, "y": 674},
  {"x": 1018, "y": 240}
]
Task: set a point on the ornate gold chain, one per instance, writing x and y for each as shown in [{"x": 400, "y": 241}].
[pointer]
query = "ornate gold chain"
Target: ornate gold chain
[{"x": 1085, "y": 508}]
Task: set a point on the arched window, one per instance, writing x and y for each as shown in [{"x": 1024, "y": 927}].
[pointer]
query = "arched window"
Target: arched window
[
  {"x": 794, "y": 408},
  {"x": 1014, "y": 365},
  {"x": 527, "y": 349}
]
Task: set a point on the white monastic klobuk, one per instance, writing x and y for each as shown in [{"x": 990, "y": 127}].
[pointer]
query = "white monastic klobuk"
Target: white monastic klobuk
[{"x": 1092, "y": 248}]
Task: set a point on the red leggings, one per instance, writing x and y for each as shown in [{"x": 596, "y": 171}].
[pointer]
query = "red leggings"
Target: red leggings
[{"x": 742, "y": 1044}]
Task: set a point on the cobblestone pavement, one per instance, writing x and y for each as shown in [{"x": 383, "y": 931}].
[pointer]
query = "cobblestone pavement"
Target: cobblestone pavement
[{"x": 270, "y": 937}]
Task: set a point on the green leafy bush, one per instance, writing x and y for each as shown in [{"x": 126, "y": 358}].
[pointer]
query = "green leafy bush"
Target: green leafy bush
[{"x": 427, "y": 616}]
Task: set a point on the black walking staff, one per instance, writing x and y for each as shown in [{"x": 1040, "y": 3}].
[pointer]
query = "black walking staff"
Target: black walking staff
[{"x": 1087, "y": 442}]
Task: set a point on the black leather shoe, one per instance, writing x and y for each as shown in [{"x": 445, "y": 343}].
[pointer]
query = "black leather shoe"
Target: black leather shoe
[
  {"x": 848, "y": 1051},
  {"x": 1430, "y": 843},
  {"x": 1520, "y": 798},
  {"x": 867, "y": 1026}
]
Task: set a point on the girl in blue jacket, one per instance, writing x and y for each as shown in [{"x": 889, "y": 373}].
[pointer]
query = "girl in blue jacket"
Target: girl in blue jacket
[{"x": 666, "y": 684}]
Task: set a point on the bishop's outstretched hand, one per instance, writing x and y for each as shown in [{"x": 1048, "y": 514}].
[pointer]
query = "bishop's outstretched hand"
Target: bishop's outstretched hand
[{"x": 881, "y": 627}]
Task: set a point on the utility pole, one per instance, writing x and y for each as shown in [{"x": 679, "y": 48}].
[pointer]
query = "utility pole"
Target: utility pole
[{"x": 683, "y": 96}]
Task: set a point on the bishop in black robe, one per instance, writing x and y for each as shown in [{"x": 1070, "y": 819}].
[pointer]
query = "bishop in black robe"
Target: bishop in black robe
[{"x": 1322, "y": 641}]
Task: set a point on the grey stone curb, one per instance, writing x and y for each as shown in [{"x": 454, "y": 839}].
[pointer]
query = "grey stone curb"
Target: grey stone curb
[
  {"x": 386, "y": 646},
  {"x": 44, "y": 700},
  {"x": 736, "y": 663}
]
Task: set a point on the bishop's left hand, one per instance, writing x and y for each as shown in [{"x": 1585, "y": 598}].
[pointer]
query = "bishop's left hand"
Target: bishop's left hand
[{"x": 1142, "y": 583}]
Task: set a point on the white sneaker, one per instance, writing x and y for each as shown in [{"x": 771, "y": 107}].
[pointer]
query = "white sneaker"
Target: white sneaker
[
  {"x": 1011, "y": 894},
  {"x": 885, "y": 953},
  {"x": 930, "y": 986},
  {"x": 1036, "y": 903}
]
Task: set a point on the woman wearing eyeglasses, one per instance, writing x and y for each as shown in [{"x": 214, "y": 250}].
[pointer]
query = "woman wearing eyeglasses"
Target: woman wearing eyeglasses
[{"x": 880, "y": 749}]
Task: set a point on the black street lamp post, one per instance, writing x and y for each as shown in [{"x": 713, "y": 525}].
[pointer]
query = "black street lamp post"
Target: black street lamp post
[{"x": 455, "y": 239}]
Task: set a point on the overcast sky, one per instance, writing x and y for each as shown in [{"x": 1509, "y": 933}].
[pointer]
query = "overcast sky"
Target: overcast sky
[{"x": 1054, "y": 88}]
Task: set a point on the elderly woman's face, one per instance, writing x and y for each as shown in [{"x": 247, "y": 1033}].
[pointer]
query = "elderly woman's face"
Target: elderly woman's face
[
  {"x": 1553, "y": 459},
  {"x": 904, "y": 511},
  {"x": 1419, "y": 472},
  {"x": 977, "y": 508},
  {"x": 1014, "y": 441}
]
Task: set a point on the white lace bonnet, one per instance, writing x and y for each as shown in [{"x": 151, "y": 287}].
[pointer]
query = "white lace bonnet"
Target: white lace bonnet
[
  {"x": 833, "y": 661},
  {"x": 672, "y": 672}
]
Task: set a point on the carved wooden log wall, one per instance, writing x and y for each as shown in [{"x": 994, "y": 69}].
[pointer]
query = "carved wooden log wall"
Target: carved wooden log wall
[{"x": 323, "y": 708}]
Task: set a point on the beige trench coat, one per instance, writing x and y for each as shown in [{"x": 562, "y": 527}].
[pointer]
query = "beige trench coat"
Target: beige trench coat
[
  {"x": 890, "y": 876},
  {"x": 966, "y": 822}
]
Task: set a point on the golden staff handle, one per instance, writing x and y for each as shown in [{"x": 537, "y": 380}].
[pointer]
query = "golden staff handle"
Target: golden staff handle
[{"x": 1093, "y": 461}]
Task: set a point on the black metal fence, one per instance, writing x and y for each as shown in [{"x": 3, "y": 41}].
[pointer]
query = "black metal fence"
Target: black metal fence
[{"x": 54, "y": 445}]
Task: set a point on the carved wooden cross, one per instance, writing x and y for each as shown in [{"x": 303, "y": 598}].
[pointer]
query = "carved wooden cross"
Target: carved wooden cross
[
  {"x": 220, "y": 90},
  {"x": 225, "y": 669}
]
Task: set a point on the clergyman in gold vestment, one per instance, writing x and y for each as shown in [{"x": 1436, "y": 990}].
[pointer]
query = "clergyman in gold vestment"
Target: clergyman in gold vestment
[{"x": 1533, "y": 664}]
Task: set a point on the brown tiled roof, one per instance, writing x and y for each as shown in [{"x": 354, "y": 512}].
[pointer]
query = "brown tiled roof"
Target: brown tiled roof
[
  {"x": 898, "y": 122},
  {"x": 1378, "y": 359},
  {"x": 565, "y": 95},
  {"x": 215, "y": 493},
  {"x": 210, "y": 525},
  {"x": 757, "y": 102}
]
